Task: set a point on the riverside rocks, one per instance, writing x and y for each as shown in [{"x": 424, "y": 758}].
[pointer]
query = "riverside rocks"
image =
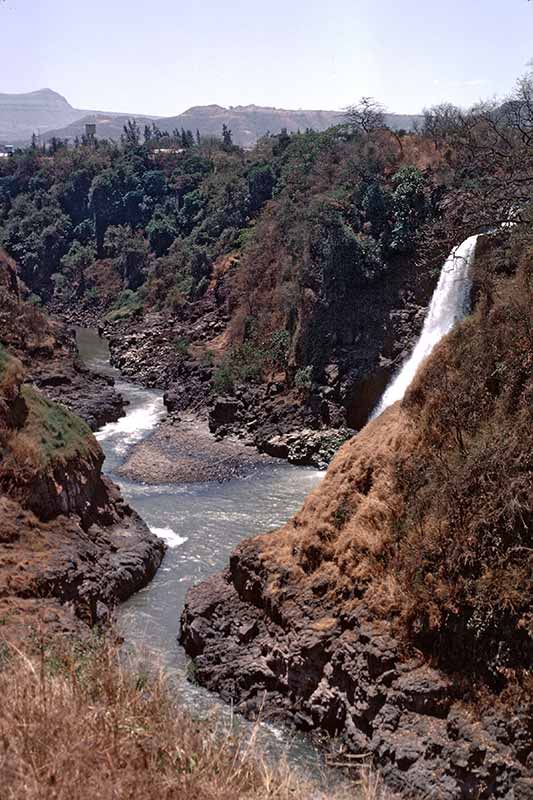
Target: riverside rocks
[
  {"x": 47, "y": 350},
  {"x": 59, "y": 574},
  {"x": 305, "y": 627},
  {"x": 291, "y": 656},
  {"x": 70, "y": 548},
  {"x": 316, "y": 448},
  {"x": 91, "y": 396}
]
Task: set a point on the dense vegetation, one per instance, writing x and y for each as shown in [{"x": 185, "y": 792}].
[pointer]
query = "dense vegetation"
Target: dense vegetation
[
  {"x": 160, "y": 221},
  {"x": 140, "y": 225}
]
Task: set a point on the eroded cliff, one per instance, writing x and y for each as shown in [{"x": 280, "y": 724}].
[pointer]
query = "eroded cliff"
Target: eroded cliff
[
  {"x": 70, "y": 548},
  {"x": 395, "y": 609}
]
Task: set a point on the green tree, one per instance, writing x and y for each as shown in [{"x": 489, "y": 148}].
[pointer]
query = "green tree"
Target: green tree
[
  {"x": 410, "y": 208},
  {"x": 154, "y": 183},
  {"x": 260, "y": 185},
  {"x": 227, "y": 139},
  {"x": 130, "y": 254},
  {"x": 161, "y": 232}
]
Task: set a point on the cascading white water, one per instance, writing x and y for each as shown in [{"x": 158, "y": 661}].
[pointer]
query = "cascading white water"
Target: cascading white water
[{"x": 449, "y": 304}]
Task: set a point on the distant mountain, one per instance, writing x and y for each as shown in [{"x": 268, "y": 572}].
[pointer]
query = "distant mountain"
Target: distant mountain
[
  {"x": 249, "y": 123},
  {"x": 46, "y": 112},
  {"x": 108, "y": 125},
  {"x": 22, "y": 114},
  {"x": 50, "y": 114}
]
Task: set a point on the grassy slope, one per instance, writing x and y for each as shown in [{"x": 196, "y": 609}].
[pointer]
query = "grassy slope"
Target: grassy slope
[
  {"x": 60, "y": 434},
  {"x": 76, "y": 725},
  {"x": 427, "y": 513}
]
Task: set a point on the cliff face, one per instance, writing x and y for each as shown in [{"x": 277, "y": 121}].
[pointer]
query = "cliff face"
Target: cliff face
[
  {"x": 70, "y": 548},
  {"x": 395, "y": 609},
  {"x": 47, "y": 351}
]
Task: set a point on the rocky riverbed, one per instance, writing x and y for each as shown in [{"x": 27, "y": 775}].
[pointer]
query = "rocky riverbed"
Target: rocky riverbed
[{"x": 185, "y": 451}]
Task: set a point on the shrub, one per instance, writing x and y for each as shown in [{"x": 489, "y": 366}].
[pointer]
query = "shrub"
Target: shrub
[
  {"x": 278, "y": 349},
  {"x": 126, "y": 304},
  {"x": 303, "y": 379},
  {"x": 243, "y": 364},
  {"x": 224, "y": 379}
]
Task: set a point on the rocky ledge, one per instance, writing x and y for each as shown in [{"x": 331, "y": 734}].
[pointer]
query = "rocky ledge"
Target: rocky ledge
[
  {"x": 70, "y": 548},
  {"x": 295, "y": 659},
  {"x": 302, "y": 627},
  {"x": 61, "y": 576},
  {"x": 47, "y": 350}
]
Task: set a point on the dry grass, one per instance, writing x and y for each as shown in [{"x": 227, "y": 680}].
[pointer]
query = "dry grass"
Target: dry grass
[
  {"x": 75, "y": 724},
  {"x": 427, "y": 515}
]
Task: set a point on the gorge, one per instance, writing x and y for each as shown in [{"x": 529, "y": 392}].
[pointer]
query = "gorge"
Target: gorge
[{"x": 238, "y": 317}]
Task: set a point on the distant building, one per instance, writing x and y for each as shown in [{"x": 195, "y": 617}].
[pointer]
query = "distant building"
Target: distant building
[{"x": 163, "y": 151}]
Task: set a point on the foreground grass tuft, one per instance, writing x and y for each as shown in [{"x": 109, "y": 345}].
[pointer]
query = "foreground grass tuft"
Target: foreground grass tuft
[{"x": 75, "y": 724}]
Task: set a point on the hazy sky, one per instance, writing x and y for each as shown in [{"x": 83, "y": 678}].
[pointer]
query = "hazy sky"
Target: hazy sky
[{"x": 163, "y": 56}]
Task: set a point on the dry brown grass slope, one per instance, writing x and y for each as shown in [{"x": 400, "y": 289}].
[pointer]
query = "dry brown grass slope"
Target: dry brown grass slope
[
  {"x": 75, "y": 725},
  {"x": 428, "y": 513}
]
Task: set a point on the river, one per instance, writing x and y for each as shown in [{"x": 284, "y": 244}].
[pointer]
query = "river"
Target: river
[{"x": 201, "y": 523}]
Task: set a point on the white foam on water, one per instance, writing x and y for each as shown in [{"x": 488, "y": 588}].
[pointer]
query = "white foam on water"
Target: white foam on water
[
  {"x": 133, "y": 427},
  {"x": 172, "y": 538},
  {"x": 449, "y": 304}
]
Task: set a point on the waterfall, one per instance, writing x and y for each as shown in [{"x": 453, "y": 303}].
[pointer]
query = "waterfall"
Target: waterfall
[{"x": 450, "y": 303}]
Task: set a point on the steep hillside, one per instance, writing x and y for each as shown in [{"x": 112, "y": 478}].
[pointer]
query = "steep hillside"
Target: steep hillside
[
  {"x": 70, "y": 549},
  {"x": 395, "y": 609},
  {"x": 47, "y": 350},
  {"x": 275, "y": 290},
  {"x": 284, "y": 277}
]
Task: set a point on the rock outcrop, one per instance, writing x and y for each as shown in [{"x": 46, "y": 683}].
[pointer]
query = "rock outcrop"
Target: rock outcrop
[
  {"x": 281, "y": 635},
  {"x": 48, "y": 352},
  {"x": 394, "y": 611},
  {"x": 70, "y": 548}
]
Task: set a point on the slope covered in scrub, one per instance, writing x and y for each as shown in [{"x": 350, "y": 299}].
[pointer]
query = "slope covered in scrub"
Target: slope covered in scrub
[
  {"x": 397, "y": 605},
  {"x": 47, "y": 350},
  {"x": 76, "y": 724}
]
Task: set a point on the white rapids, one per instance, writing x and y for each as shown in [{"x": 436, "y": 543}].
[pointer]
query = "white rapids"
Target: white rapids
[
  {"x": 449, "y": 304},
  {"x": 170, "y": 536},
  {"x": 133, "y": 427}
]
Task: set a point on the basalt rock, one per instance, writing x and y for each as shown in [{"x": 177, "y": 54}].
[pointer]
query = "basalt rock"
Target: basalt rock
[
  {"x": 91, "y": 396},
  {"x": 305, "y": 627},
  {"x": 70, "y": 548},
  {"x": 295, "y": 659},
  {"x": 225, "y": 411},
  {"x": 314, "y": 448},
  {"x": 47, "y": 350}
]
